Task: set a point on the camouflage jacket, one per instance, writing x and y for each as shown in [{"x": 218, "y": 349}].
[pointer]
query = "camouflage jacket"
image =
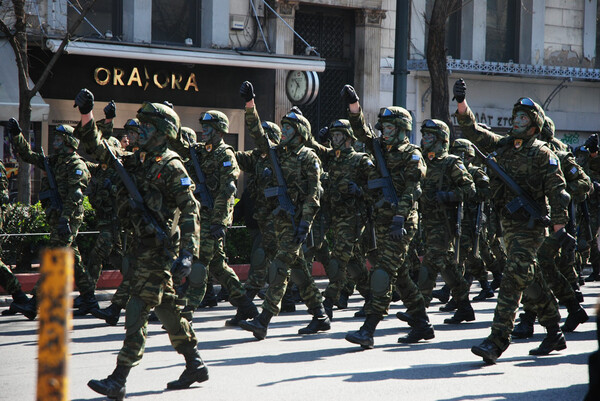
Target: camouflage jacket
[
  {"x": 482, "y": 192},
  {"x": 3, "y": 192},
  {"x": 102, "y": 191},
  {"x": 530, "y": 163},
  {"x": 71, "y": 174},
  {"x": 258, "y": 166},
  {"x": 164, "y": 184},
  {"x": 301, "y": 169},
  {"x": 578, "y": 182},
  {"x": 446, "y": 173},
  {"x": 404, "y": 162}
]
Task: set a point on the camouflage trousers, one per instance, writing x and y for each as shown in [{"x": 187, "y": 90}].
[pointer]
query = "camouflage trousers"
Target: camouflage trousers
[
  {"x": 389, "y": 269},
  {"x": 287, "y": 264},
  {"x": 357, "y": 272},
  {"x": 263, "y": 251},
  {"x": 440, "y": 258},
  {"x": 212, "y": 259},
  {"x": 345, "y": 233},
  {"x": 83, "y": 280},
  {"x": 468, "y": 263},
  {"x": 101, "y": 251},
  {"x": 151, "y": 286},
  {"x": 522, "y": 278},
  {"x": 8, "y": 280}
]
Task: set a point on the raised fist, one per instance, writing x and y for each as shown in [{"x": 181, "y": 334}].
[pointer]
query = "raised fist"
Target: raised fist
[
  {"x": 247, "y": 91},
  {"x": 85, "y": 101},
  {"x": 349, "y": 94},
  {"x": 459, "y": 90},
  {"x": 110, "y": 111},
  {"x": 13, "y": 128}
]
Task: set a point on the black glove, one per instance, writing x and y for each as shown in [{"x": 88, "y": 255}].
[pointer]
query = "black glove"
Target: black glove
[
  {"x": 63, "y": 228},
  {"x": 349, "y": 94},
  {"x": 354, "y": 189},
  {"x": 591, "y": 143},
  {"x": 247, "y": 91},
  {"x": 323, "y": 135},
  {"x": 110, "y": 111},
  {"x": 565, "y": 240},
  {"x": 301, "y": 232},
  {"x": 12, "y": 127},
  {"x": 446, "y": 197},
  {"x": 266, "y": 173},
  {"x": 217, "y": 231},
  {"x": 182, "y": 266},
  {"x": 397, "y": 230},
  {"x": 459, "y": 90},
  {"x": 85, "y": 101}
]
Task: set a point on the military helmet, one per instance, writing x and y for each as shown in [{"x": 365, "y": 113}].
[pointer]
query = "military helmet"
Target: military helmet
[
  {"x": 187, "y": 132},
  {"x": 342, "y": 126},
  {"x": 216, "y": 119},
  {"x": 533, "y": 110},
  {"x": 548, "y": 129},
  {"x": 162, "y": 117},
  {"x": 272, "y": 130},
  {"x": 133, "y": 124},
  {"x": 299, "y": 122},
  {"x": 437, "y": 127},
  {"x": 462, "y": 146},
  {"x": 395, "y": 115},
  {"x": 66, "y": 132}
]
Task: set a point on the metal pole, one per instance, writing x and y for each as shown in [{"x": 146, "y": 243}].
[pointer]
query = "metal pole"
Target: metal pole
[{"x": 401, "y": 52}]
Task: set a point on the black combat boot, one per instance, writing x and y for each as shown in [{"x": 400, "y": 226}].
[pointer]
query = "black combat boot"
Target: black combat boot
[
  {"x": 421, "y": 329},
  {"x": 251, "y": 293},
  {"x": 328, "y": 306},
  {"x": 210, "y": 299},
  {"x": 19, "y": 298},
  {"x": 452, "y": 305},
  {"x": 288, "y": 304},
  {"x": 524, "y": 329},
  {"x": 110, "y": 314},
  {"x": 259, "y": 325},
  {"x": 485, "y": 293},
  {"x": 114, "y": 385},
  {"x": 497, "y": 279},
  {"x": 595, "y": 276},
  {"x": 88, "y": 303},
  {"x": 407, "y": 317},
  {"x": 554, "y": 341},
  {"x": 195, "y": 371},
  {"x": 77, "y": 302},
  {"x": 364, "y": 336},
  {"x": 223, "y": 295},
  {"x": 246, "y": 310},
  {"x": 443, "y": 294},
  {"x": 464, "y": 313},
  {"x": 342, "y": 302},
  {"x": 577, "y": 315},
  {"x": 577, "y": 290},
  {"x": 488, "y": 350},
  {"x": 29, "y": 308},
  {"x": 319, "y": 322}
]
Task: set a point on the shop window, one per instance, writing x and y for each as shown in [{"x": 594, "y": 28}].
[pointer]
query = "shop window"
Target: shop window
[
  {"x": 104, "y": 20},
  {"x": 176, "y": 22},
  {"x": 502, "y": 30}
]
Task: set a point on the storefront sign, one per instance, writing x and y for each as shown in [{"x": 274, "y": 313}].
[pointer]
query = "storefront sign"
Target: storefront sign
[
  {"x": 142, "y": 78},
  {"x": 491, "y": 118}
]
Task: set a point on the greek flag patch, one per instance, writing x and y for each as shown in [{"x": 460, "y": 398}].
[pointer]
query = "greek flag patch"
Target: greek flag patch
[
  {"x": 553, "y": 162},
  {"x": 573, "y": 170},
  {"x": 227, "y": 164},
  {"x": 461, "y": 166},
  {"x": 485, "y": 178},
  {"x": 78, "y": 172},
  {"x": 317, "y": 165},
  {"x": 416, "y": 157},
  {"x": 369, "y": 162},
  {"x": 186, "y": 182}
]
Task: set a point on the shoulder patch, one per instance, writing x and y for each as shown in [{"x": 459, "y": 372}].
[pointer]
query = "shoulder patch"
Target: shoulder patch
[
  {"x": 461, "y": 166},
  {"x": 186, "y": 182},
  {"x": 553, "y": 162},
  {"x": 227, "y": 163},
  {"x": 78, "y": 172},
  {"x": 573, "y": 170},
  {"x": 415, "y": 157},
  {"x": 370, "y": 162}
]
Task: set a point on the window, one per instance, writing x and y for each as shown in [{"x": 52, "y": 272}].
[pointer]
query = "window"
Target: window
[
  {"x": 174, "y": 21},
  {"x": 105, "y": 17},
  {"x": 501, "y": 41},
  {"x": 453, "y": 28}
]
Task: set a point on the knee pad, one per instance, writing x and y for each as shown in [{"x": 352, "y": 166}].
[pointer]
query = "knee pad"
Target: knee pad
[
  {"x": 277, "y": 272},
  {"x": 380, "y": 282},
  {"x": 168, "y": 314},
  {"x": 334, "y": 270},
  {"x": 300, "y": 276},
  {"x": 136, "y": 314},
  {"x": 258, "y": 257},
  {"x": 198, "y": 275}
]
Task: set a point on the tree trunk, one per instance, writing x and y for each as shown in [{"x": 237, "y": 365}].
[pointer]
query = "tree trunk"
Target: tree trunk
[{"x": 436, "y": 59}]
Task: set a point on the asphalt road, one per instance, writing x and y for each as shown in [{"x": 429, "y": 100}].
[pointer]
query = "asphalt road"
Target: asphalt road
[{"x": 286, "y": 366}]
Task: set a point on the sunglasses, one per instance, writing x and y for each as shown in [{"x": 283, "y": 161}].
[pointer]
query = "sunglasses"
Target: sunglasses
[
  {"x": 430, "y": 124},
  {"x": 292, "y": 116},
  {"x": 61, "y": 128},
  {"x": 338, "y": 124},
  {"x": 525, "y": 101}
]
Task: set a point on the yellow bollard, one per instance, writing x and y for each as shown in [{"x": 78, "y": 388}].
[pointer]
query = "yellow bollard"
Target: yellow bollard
[{"x": 55, "y": 322}]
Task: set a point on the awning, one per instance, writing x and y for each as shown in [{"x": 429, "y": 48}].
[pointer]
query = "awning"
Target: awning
[
  {"x": 9, "y": 88},
  {"x": 192, "y": 56}
]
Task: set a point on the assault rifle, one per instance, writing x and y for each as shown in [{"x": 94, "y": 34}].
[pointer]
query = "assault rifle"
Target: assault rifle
[
  {"x": 586, "y": 225},
  {"x": 201, "y": 189},
  {"x": 281, "y": 192},
  {"x": 136, "y": 201},
  {"x": 522, "y": 199},
  {"x": 478, "y": 227},
  {"x": 52, "y": 192},
  {"x": 385, "y": 182}
]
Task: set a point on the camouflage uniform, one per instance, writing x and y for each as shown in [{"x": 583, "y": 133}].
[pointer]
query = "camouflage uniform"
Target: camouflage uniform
[
  {"x": 536, "y": 169},
  {"x": 8, "y": 280},
  {"x": 446, "y": 177},
  {"x": 167, "y": 190}
]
